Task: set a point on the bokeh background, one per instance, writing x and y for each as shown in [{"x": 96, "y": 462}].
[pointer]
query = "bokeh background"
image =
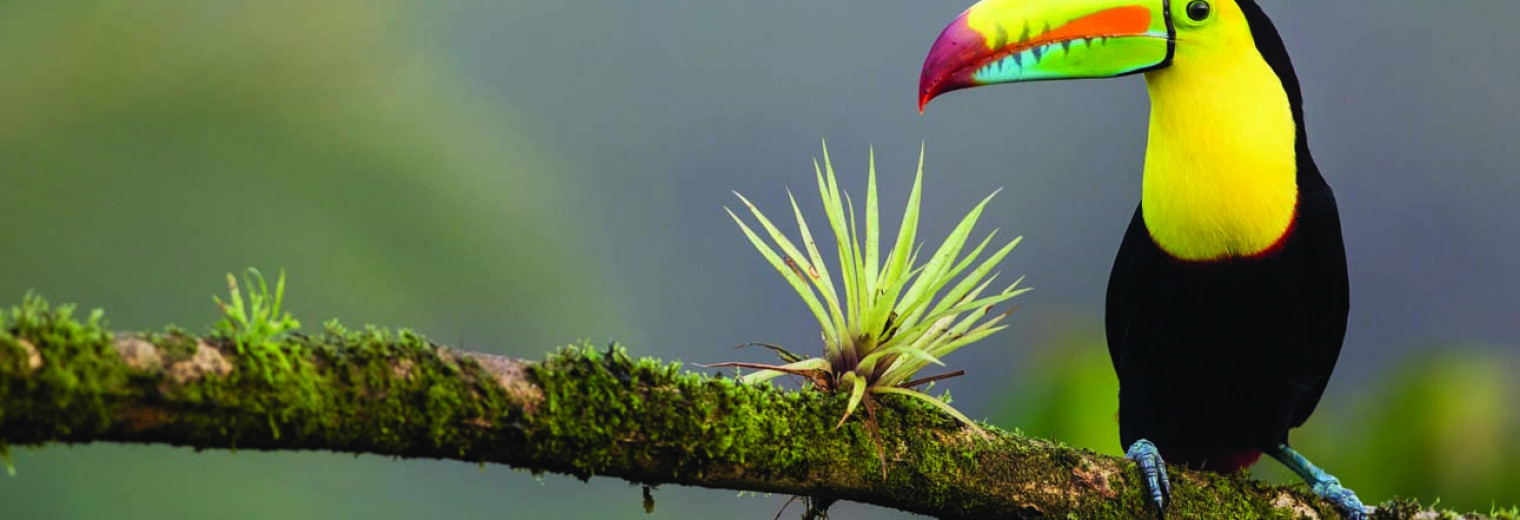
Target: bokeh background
[{"x": 512, "y": 176}]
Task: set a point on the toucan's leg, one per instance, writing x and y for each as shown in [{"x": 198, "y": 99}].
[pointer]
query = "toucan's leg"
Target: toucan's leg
[
  {"x": 1153, "y": 469},
  {"x": 1324, "y": 484}
]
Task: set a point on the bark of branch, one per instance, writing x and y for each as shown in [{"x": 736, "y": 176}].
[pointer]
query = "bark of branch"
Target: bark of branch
[{"x": 583, "y": 411}]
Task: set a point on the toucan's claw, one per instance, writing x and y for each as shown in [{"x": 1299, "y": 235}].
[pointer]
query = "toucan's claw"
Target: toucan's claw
[
  {"x": 1153, "y": 469},
  {"x": 1323, "y": 484},
  {"x": 1344, "y": 499}
]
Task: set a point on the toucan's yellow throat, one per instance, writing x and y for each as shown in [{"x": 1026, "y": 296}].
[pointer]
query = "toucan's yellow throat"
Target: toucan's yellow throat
[
  {"x": 1220, "y": 165},
  {"x": 1220, "y": 162}
]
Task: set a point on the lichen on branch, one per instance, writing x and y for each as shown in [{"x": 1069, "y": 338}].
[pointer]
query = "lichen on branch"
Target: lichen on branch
[{"x": 585, "y": 411}]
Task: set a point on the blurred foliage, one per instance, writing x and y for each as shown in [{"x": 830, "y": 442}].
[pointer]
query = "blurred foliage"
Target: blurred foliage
[
  {"x": 1068, "y": 391},
  {"x": 147, "y": 148},
  {"x": 1439, "y": 425},
  {"x": 161, "y": 144}
]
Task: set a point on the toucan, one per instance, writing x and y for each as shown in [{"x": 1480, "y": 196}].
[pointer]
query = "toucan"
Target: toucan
[{"x": 1227, "y": 303}]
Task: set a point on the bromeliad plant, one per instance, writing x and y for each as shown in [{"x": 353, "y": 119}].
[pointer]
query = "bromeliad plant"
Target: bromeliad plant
[{"x": 884, "y": 324}]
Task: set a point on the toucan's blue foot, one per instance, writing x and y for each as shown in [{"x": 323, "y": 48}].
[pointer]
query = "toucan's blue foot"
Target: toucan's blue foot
[
  {"x": 1153, "y": 470},
  {"x": 1324, "y": 484},
  {"x": 1344, "y": 499}
]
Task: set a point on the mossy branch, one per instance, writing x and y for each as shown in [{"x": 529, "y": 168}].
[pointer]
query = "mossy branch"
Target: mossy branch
[{"x": 583, "y": 411}]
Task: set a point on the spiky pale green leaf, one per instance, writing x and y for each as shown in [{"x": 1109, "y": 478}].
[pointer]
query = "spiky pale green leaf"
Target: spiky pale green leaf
[
  {"x": 964, "y": 307},
  {"x": 900, "y": 351},
  {"x": 819, "y": 272},
  {"x": 873, "y": 236},
  {"x": 975, "y": 316},
  {"x": 787, "y": 369},
  {"x": 960, "y": 289},
  {"x": 949, "y": 313},
  {"x": 855, "y": 291},
  {"x": 949, "y": 346},
  {"x": 928, "y": 399},
  {"x": 792, "y": 253},
  {"x": 967, "y": 259},
  {"x": 834, "y": 209},
  {"x": 916, "y": 301},
  {"x": 942, "y": 345},
  {"x": 857, "y": 388},
  {"x": 792, "y": 277},
  {"x": 899, "y": 262}
]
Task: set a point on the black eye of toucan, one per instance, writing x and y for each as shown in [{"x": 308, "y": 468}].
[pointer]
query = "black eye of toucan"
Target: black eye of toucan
[{"x": 1198, "y": 10}]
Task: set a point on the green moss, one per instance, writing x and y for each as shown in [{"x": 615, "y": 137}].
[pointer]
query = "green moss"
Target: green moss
[
  {"x": 77, "y": 365},
  {"x": 174, "y": 344},
  {"x": 1409, "y": 508},
  {"x": 367, "y": 391},
  {"x": 714, "y": 423},
  {"x": 255, "y": 329},
  {"x": 1190, "y": 501},
  {"x": 706, "y": 419}
]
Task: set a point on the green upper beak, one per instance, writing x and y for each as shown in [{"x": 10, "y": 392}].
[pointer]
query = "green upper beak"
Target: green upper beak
[{"x": 1004, "y": 41}]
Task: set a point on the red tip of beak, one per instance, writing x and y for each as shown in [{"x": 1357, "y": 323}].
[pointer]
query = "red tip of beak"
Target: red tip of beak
[{"x": 949, "y": 65}]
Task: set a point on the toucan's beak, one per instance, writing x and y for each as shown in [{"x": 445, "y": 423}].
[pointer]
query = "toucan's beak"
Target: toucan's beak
[{"x": 1004, "y": 41}]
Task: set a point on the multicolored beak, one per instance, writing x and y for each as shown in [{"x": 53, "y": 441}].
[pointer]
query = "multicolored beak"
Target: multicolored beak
[{"x": 1005, "y": 41}]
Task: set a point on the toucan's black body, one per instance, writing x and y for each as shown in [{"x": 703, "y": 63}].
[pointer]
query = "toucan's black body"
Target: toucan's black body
[{"x": 1218, "y": 359}]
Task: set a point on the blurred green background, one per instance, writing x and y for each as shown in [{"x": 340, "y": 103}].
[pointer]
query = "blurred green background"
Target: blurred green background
[{"x": 511, "y": 176}]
